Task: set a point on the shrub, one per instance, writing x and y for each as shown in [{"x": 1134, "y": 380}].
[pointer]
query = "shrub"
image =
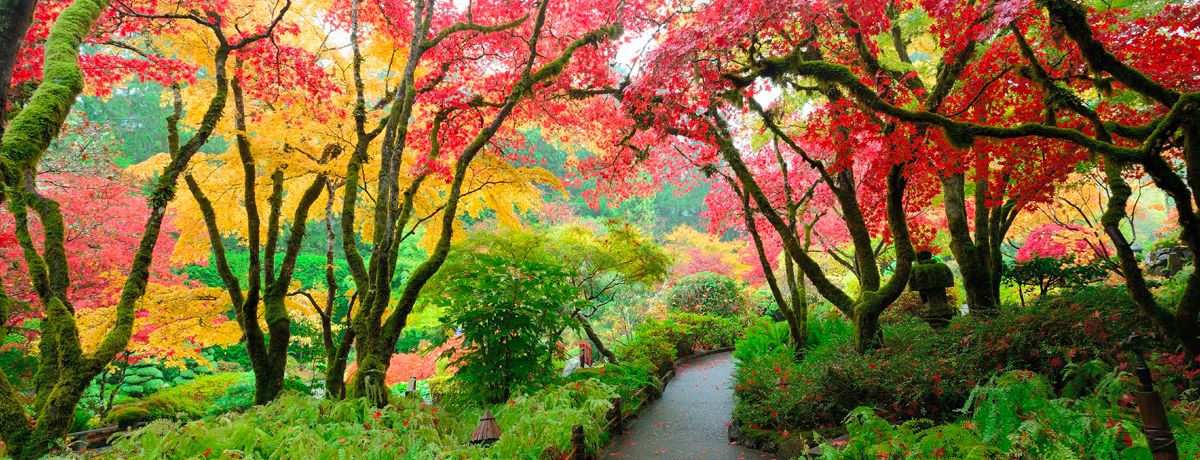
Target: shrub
[
  {"x": 125, "y": 417},
  {"x": 511, "y": 308},
  {"x": 188, "y": 401},
  {"x": 82, "y": 417},
  {"x": 238, "y": 397},
  {"x": 679, "y": 335},
  {"x": 1016, "y": 416},
  {"x": 534, "y": 426},
  {"x": 1046, "y": 273},
  {"x": 763, "y": 303},
  {"x": 193, "y": 399},
  {"x": 763, "y": 339},
  {"x": 922, "y": 374},
  {"x": 626, "y": 378},
  {"x": 142, "y": 379},
  {"x": 706, "y": 293}
]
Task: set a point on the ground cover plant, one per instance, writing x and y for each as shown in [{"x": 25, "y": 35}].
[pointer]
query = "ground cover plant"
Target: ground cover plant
[{"x": 1069, "y": 345}]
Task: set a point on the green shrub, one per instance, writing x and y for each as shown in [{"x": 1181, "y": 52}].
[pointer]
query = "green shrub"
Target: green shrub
[
  {"x": 626, "y": 378},
  {"x": 142, "y": 379},
  {"x": 238, "y": 397},
  {"x": 193, "y": 399},
  {"x": 679, "y": 335},
  {"x": 82, "y": 417},
  {"x": 763, "y": 304},
  {"x": 1172, "y": 289},
  {"x": 1046, "y": 273},
  {"x": 922, "y": 374},
  {"x": 509, "y": 302},
  {"x": 707, "y": 293},
  {"x": 1016, "y": 416},
  {"x": 128, "y": 416},
  {"x": 763, "y": 338},
  {"x": 533, "y": 426}
]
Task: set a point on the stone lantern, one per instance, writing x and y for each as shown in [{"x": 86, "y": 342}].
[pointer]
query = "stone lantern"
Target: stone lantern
[{"x": 931, "y": 279}]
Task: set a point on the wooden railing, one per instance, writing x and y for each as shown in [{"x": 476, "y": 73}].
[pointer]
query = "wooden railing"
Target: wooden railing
[{"x": 97, "y": 438}]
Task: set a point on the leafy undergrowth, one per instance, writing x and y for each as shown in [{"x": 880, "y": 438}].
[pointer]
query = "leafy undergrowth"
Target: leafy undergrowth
[
  {"x": 297, "y": 426},
  {"x": 923, "y": 377},
  {"x": 657, "y": 343},
  {"x": 1016, "y": 416}
]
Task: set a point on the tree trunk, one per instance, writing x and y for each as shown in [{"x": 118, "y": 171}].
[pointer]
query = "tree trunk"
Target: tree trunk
[
  {"x": 15, "y": 17},
  {"x": 973, "y": 263},
  {"x": 335, "y": 371},
  {"x": 591, "y": 334},
  {"x": 867, "y": 333},
  {"x": 798, "y": 316},
  {"x": 1180, "y": 329}
]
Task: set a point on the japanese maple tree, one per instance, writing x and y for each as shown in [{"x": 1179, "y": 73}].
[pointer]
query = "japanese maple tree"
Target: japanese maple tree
[{"x": 65, "y": 368}]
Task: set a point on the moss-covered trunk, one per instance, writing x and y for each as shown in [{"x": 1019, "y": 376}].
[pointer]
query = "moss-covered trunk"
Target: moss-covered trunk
[
  {"x": 1180, "y": 325},
  {"x": 974, "y": 262},
  {"x": 867, "y": 333},
  {"x": 797, "y": 324},
  {"x": 270, "y": 365},
  {"x": 335, "y": 371},
  {"x": 798, "y": 321}
]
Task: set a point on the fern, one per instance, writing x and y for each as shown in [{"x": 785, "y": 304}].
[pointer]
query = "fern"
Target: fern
[{"x": 1015, "y": 416}]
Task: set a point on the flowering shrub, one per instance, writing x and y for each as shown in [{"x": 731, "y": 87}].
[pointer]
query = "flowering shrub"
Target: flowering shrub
[
  {"x": 1053, "y": 241},
  {"x": 707, "y": 293}
]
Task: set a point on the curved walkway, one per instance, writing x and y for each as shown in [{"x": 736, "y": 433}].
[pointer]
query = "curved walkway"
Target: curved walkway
[{"x": 690, "y": 421}]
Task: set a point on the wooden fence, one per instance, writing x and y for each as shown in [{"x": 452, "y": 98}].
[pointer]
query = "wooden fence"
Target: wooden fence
[{"x": 97, "y": 438}]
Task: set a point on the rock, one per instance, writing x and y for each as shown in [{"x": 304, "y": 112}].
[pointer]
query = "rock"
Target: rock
[
  {"x": 1167, "y": 261},
  {"x": 792, "y": 447}
]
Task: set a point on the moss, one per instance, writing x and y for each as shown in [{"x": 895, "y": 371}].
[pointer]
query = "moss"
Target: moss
[
  {"x": 959, "y": 136},
  {"x": 30, "y": 132},
  {"x": 929, "y": 274},
  {"x": 128, "y": 416}
]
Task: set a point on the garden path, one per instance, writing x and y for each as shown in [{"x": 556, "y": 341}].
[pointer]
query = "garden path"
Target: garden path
[{"x": 690, "y": 421}]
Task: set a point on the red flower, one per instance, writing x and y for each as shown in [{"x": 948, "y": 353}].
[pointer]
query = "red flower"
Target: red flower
[
  {"x": 405, "y": 422},
  {"x": 377, "y": 415},
  {"x": 207, "y": 452}
]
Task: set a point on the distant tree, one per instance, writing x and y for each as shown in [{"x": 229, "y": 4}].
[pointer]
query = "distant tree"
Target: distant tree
[
  {"x": 1046, "y": 273},
  {"x": 601, "y": 262}
]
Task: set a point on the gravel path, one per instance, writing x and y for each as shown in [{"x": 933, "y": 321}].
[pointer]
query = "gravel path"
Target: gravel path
[{"x": 690, "y": 421}]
